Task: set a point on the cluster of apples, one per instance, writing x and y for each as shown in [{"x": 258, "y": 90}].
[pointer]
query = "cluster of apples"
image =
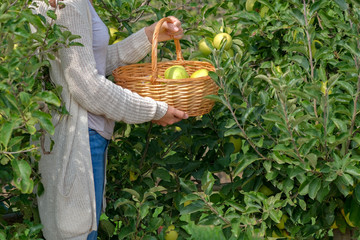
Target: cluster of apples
[
  {"x": 179, "y": 72},
  {"x": 217, "y": 41}
]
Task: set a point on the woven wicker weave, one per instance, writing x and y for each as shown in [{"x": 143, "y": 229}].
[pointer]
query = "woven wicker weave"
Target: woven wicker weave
[{"x": 184, "y": 94}]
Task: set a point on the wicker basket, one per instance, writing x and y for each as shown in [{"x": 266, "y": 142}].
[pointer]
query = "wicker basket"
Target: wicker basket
[{"x": 184, "y": 94}]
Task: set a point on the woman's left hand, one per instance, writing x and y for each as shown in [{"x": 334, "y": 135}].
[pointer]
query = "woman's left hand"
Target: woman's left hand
[{"x": 168, "y": 30}]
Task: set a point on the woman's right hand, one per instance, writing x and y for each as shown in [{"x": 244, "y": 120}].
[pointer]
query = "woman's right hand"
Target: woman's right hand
[{"x": 172, "y": 116}]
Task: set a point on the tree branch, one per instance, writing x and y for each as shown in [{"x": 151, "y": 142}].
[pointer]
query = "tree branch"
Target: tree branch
[{"x": 308, "y": 41}]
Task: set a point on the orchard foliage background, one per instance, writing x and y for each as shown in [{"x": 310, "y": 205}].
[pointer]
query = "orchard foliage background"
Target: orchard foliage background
[{"x": 290, "y": 93}]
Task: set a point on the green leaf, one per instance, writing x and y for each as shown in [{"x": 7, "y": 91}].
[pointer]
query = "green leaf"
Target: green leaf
[
  {"x": 5, "y": 17},
  {"x": 342, "y": 4},
  {"x": 346, "y": 86},
  {"x": 353, "y": 171},
  {"x": 312, "y": 159},
  {"x": 304, "y": 187},
  {"x": 132, "y": 192},
  {"x": 288, "y": 185},
  {"x": 303, "y": 61},
  {"x": 162, "y": 173},
  {"x": 193, "y": 207},
  {"x": 307, "y": 147},
  {"x": 276, "y": 215},
  {"x": 158, "y": 211},
  {"x": 188, "y": 185},
  {"x": 144, "y": 210},
  {"x": 22, "y": 172},
  {"x": 245, "y": 161},
  {"x": 340, "y": 124},
  {"x": 49, "y": 97},
  {"x": 298, "y": 15},
  {"x": 316, "y": 6},
  {"x": 302, "y": 204},
  {"x": 357, "y": 193},
  {"x": 207, "y": 182},
  {"x": 323, "y": 192},
  {"x": 45, "y": 121},
  {"x": 314, "y": 187},
  {"x": 233, "y": 132},
  {"x": 5, "y": 133},
  {"x": 343, "y": 188},
  {"x": 273, "y": 117},
  {"x": 300, "y": 94},
  {"x": 122, "y": 201},
  {"x": 108, "y": 227},
  {"x": 154, "y": 224},
  {"x": 235, "y": 205},
  {"x": 126, "y": 231},
  {"x": 215, "y": 98},
  {"x": 51, "y": 14},
  {"x": 157, "y": 189}
]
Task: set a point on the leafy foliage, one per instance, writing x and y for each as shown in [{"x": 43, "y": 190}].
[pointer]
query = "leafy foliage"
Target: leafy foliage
[
  {"x": 26, "y": 99},
  {"x": 290, "y": 91}
]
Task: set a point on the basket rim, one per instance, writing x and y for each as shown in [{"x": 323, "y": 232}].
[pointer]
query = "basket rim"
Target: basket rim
[{"x": 163, "y": 80}]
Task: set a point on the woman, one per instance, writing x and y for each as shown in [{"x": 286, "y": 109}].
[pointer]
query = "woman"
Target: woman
[{"x": 73, "y": 172}]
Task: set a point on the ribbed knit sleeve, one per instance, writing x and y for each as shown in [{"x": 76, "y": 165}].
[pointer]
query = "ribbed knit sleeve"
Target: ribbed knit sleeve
[
  {"x": 92, "y": 91},
  {"x": 130, "y": 50}
]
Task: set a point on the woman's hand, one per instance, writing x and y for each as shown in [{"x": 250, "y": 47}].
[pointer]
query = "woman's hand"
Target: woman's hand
[
  {"x": 168, "y": 30},
  {"x": 172, "y": 116}
]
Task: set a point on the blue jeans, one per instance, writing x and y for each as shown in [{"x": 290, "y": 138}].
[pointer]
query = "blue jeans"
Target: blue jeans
[{"x": 98, "y": 146}]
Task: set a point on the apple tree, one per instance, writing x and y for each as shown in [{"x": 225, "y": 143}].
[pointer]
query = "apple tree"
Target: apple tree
[
  {"x": 277, "y": 157},
  {"x": 290, "y": 92}
]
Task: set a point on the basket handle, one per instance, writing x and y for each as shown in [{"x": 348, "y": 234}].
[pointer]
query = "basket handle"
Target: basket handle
[{"x": 154, "y": 66}]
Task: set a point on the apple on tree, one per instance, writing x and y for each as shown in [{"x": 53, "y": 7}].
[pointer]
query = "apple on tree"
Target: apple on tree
[
  {"x": 112, "y": 33},
  {"x": 204, "y": 48},
  {"x": 118, "y": 40},
  {"x": 171, "y": 233},
  {"x": 220, "y": 38},
  {"x": 133, "y": 176},
  {"x": 281, "y": 224},
  {"x": 228, "y": 53},
  {"x": 237, "y": 142}
]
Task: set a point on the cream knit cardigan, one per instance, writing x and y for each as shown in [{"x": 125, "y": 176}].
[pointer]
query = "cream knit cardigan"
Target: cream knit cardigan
[{"x": 67, "y": 206}]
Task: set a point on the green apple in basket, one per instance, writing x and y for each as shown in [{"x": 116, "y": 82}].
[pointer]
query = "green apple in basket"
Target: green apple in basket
[
  {"x": 176, "y": 72},
  {"x": 200, "y": 73}
]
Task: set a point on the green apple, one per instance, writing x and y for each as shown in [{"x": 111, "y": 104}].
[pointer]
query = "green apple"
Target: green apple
[
  {"x": 204, "y": 48},
  {"x": 265, "y": 190},
  {"x": 200, "y": 73},
  {"x": 112, "y": 33},
  {"x": 230, "y": 52},
  {"x": 133, "y": 176},
  {"x": 176, "y": 72},
  {"x": 237, "y": 142},
  {"x": 171, "y": 233},
  {"x": 118, "y": 40},
  {"x": 219, "y": 38},
  {"x": 281, "y": 224}
]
